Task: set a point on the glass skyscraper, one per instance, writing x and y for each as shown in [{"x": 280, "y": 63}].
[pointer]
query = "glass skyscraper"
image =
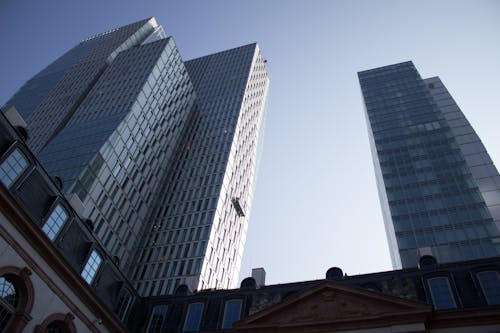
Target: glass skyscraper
[
  {"x": 438, "y": 188},
  {"x": 162, "y": 153},
  {"x": 198, "y": 226}
]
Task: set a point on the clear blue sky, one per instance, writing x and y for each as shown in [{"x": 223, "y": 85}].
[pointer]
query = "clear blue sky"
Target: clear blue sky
[{"x": 316, "y": 204}]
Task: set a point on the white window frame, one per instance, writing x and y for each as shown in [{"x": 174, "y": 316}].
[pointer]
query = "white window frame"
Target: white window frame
[
  {"x": 91, "y": 268},
  {"x": 53, "y": 224},
  {"x": 11, "y": 163}
]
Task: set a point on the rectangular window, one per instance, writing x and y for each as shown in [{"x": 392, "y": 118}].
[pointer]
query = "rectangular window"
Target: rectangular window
[
  {"x": 91, "y": 267},
  {"x": 441, "y": 293},
  {"x": 232, "y": 313},
  {"x": 12, "y": 167},
  {"x": 193, "y": 317},
  {"x": 157, "y": 320},
  {"x": 123, "y": 304},
  {"x": 55, "y": 221},
  {"x": 490, "y": 283}
]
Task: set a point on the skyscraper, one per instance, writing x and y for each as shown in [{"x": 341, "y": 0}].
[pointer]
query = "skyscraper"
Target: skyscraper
[
  {"x": 161, "y": 153},
  {"x": 438, "y": 188},
  {"x": 198, "y": 226}
]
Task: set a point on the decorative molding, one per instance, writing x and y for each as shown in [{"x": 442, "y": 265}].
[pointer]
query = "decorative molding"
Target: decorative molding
[
  {"x": 331, "y": 306},
  {"x": 65, "y": 319},
  {"x": 21, "y": 279},
  {"x": 43, "y": 246}
]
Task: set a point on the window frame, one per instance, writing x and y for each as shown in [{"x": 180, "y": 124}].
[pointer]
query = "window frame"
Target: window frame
[
  {"x": 226, "y": 302},
  {"x": 187, "y": 315},
  {"x": 57, "y": 203},
  {"x": 20, "y": 278},
  {"x": 480, "y": 283},
  {"x": 126, "y": 293},
  {"x": 92, "y": 250},
  {"x": 16, "y": 146},
  {"x": 451, "y": 289},
  {"x": 7, "y": 309},
  {"x": 150, "y": 321}
]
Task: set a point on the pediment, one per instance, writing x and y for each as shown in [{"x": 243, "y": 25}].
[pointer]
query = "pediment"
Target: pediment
[{"x": 331, "y": 303}]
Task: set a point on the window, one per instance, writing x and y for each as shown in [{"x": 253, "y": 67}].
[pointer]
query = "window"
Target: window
[
  {"x": 12, "y": 167},
  {"x": 55, "y": 327},
  {"x": 91, "y": 267},
  {"x": 232, "y": 313},
  {"x": 8, "y": 302},
  {"x": 124, "y": 301},
  {"x": 157, "y": 319},
  {"x": 441, "y": 293},
  {"x": 55, "y": 222},
  {"x": 490, "y": 283},
  {"x": 193, "y": 317}
]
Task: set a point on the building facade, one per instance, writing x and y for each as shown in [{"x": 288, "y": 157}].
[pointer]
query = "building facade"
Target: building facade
[
  {"x": 162, "y": 153},
  {"x": 460, "y": 297},
  {"x": 197, "y": 229},
  {"x": 55, "y": 276},
  {"x": 438, "y": 188}
]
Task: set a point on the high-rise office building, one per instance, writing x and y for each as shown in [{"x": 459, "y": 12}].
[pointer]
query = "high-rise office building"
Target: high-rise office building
[
  {"x": 198, "y": 226},
  {"x": 161, "y": 153},
  {"x": 438, "y": 188}
]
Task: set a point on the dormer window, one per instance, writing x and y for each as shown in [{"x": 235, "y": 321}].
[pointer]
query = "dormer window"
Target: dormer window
[
  {"x": 55, "y": 222},
  {"x": 193, "y": 317},
  {"x": 157, "y": 320},
  {"x": 441, "y": 293},
  {"x": 91, "y": 267},
  {"x": 232, "y": 313},
  {"x": 490, "y": 284},
  {"x": 12, "y": 167}
]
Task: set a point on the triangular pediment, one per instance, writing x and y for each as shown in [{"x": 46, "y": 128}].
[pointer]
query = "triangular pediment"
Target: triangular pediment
[{"x": 331, "y": 303}]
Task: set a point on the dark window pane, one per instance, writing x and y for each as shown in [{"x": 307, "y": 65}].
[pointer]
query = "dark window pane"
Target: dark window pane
[
  {"x": 193, "y": 317},
  {"x": 490, "y": 283},
  {"x": 442, "y": 296},
  {"x": 157, "y": 319},
  {"x": 231, "y": 313}
]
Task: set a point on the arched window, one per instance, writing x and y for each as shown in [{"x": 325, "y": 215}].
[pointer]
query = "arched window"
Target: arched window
[
  {"x": 16, "y": 298},
  {"x": 57, "y": 323},
  {"x": 8, "y": 302},
  {"x": 56, "y": 327}
]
